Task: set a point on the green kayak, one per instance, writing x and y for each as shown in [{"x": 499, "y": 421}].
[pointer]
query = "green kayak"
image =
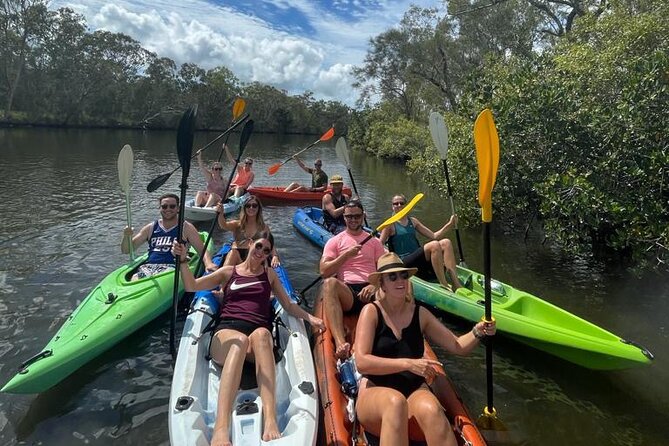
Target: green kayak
[
  {"x": 535, "y": 322},
  {"x": 114, "y": 309}
]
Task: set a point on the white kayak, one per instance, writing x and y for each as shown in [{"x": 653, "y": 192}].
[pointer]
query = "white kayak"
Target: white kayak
[
  {"x": 197, "y": 213},
  {"x": 194, "y": 393}
]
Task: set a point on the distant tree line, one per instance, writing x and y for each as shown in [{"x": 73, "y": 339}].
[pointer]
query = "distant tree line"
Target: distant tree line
[
  {"x": 55, "y": 72},
  {"x": 579, "y": 90}
]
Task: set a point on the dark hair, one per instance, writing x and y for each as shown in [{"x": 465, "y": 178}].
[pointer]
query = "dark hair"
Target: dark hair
[
  {"x": 163, "y": 196},
  {"x": 354, "y": 204},
  {"x": 266, "y": 235}
]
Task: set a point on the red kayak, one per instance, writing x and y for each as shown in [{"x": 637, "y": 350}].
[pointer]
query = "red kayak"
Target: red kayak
[{"x": 276, "y": 194}]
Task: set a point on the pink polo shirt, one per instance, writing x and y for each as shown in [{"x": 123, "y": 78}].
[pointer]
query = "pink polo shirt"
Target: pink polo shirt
[{"x": 357, "y": 269}]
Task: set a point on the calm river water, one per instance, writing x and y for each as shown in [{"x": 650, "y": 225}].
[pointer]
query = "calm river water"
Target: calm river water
[{"x": 63, "y": 213}]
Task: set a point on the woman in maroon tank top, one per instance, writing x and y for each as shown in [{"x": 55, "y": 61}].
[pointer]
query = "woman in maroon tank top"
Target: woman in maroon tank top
[
  {"x": 244, "y": 330},
  {"x": 389, "y": 354}
]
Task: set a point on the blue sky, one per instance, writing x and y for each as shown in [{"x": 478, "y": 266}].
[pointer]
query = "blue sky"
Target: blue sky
[{"x": 295, "y": 45}]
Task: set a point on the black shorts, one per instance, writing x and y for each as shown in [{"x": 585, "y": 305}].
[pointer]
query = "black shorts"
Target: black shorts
[
  {"x": 417, "y": 260},
  {"x": 355, "y": 288},
  {"x": 239, "y": 325}
]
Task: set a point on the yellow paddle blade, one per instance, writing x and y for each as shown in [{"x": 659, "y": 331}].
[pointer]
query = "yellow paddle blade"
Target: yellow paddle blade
[
  {"x": 486, "y": 141},
  {"x": 327, "y": 135},
  {"x": 405, "y": 210},
  {"x": 238, "y": 108}
]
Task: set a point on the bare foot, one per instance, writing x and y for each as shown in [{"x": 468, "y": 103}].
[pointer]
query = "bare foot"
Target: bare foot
[
  {"x": 447, "y": 287},
  {"x": 221, "y": 437},
  {"x": 343, "y": 351},
  {"x": 270, "y": 431}
]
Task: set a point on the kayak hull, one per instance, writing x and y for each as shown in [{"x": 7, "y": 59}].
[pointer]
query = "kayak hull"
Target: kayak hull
[
  {"x": 194, "y": 392},
  {"x": 275, "y": 194},
  {"x": 113, "y": 310},
  {"x": 196, "y": 213}
]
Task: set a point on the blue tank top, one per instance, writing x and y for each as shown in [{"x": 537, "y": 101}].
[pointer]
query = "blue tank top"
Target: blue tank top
[
  {"x": 160, "y": 244},
  {"x": 247, "y": 298},
  {"x": 404, "y": 242},
  {"x": 410, "y": 345}
]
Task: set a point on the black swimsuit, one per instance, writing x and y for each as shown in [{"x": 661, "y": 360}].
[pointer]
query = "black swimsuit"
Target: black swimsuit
[{"x": 410, "y": 345}]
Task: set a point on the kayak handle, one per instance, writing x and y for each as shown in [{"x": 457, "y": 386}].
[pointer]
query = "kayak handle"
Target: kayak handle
[
  {"x": 643, "y": 349},
  {"x": 45, "y": 354}
]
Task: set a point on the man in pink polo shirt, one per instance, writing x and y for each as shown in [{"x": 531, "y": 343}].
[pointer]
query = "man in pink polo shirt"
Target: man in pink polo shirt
[{"x": 352, "y": 263}]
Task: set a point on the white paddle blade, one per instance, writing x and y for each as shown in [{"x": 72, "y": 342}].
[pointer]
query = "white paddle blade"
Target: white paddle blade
[
  {"x": 342, "y": 152},
  {"x": 439, "y": 133},
  {"x": 125, "y": 167}
]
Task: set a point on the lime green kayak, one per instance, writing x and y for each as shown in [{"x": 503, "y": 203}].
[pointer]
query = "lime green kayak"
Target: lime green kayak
[
  {"x": 535, "y": 322},
  {"x": 114, "y": 309}
]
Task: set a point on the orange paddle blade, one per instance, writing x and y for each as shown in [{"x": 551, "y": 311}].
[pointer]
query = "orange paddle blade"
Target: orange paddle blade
[
  {"x": 327, "y": 135},
  {"x": 274, "y": 168}
]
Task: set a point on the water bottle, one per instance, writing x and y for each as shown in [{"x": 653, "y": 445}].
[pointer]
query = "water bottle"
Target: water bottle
[{"x": 349, "y": 385}]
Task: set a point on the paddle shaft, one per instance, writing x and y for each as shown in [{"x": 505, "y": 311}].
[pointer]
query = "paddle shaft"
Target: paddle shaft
[
  {"x": 488, "y": 313},
  {"x": 128, "y": 219},
  {"x": 301, "y": 151},
  {"x": 450, "y": 197}
]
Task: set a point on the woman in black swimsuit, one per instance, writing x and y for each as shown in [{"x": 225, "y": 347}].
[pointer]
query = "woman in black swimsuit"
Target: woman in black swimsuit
[{"x": 389, "y": 353}]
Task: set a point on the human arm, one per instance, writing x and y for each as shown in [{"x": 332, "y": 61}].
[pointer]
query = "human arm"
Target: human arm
[
  {"x": 301, "y": 164},
  {"x": 438, "y": 235},
  {"x": 436, "y": 332},
  {"x": 222, "y": 222},
  {"x": 218, "y": 277},
  {"x": 193, "y": 237},
  {"x": 291, "y": 307},
  {"x": 333, "y": 260},
  {"x": 248, "y": 182},
  {"x": 369, "y": 364},
  {"x": 203, "y": 168},
  {"x": 330, "y": 208},
  {"x": 275, "y": 258},
  {"x": 386, "y": 233},
  {"x": 137, "y": 240},
  {"x": 228, "y": 154}
]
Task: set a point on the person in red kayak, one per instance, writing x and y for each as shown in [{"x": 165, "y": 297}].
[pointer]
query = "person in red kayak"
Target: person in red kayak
[
  {"x": 319, "y": 179},
  {"x": 160, "y": 235},
  {"x": 345, "y": 265},
  {"x": 389, "y": 353},
  {"x": 244, "y": 330}
]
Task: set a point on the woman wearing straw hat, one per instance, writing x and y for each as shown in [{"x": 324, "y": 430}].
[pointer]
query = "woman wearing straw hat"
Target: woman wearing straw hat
[{"x": 389, "y": 353}]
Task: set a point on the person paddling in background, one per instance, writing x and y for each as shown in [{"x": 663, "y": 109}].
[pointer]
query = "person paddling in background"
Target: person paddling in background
[
  {"x": 160, "y": 234},
  {"x": 431, "y": 258},
  {"x": 244, "y": 177},
  {"x": 389, "y": 353},
  {"x": 215, "y": 184},
  {"x": 333, "y": 204},
  {"x": 319, "y": 179},
  {"x": 345, "y": 265},
  {"x": 244, "y": 330},
  {"x": 248, "y": 226}
]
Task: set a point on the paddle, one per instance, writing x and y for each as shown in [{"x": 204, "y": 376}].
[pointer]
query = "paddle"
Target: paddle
[
  {"x": 439, "y": 133},
  {"x": 237, "y": 109},
  {"x": 185, "y": 134},
  {"x": 161, "y": 179},
  {"x": 124, "y": 173},
  {"x": 274, "y": 168},
  {"x": 487, "y": 158},
  {"x": 243, "y": 140},
  {"x": 342, "y": 153},
  {"x": 392, "y": 219}
]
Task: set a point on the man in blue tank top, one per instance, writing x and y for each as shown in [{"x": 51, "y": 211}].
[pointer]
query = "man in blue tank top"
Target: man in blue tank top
[{"x": 160, "y": 235}]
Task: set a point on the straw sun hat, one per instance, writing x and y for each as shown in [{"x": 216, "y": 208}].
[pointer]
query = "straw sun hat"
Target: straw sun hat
[{"x": 388, "y": 263}]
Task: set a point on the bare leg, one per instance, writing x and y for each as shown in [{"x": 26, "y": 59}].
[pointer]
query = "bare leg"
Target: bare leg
[
  {"x": 337, "y": 297},
  {"x": 228, "y": 348},
  {"x": 201, "y": 198},
  {"x": 384, "y": 412},
  {"x": 425, "y": 410},
  {"x": 292, "y": 186},
  {"x": 261, "y": 345},
  {"x": 449, "y": 261},
  {"x": 433, "y": 254},
  {"x": 213, "y": 200},
  {"x": 239, "y": 191}
]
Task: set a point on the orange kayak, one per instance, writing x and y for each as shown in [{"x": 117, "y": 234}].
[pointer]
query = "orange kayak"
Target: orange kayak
[
  {"x": 337, "y": 427},
  {"x": 277, "y": 195}
]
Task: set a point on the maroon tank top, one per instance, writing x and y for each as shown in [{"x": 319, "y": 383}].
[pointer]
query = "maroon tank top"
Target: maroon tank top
[{"x": 248, "y": 298}]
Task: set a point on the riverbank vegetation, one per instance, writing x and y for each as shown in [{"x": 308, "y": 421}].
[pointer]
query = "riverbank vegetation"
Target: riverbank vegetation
[
  {"x": 55, "y": 72},
  {"x": 579, "y": 90}
]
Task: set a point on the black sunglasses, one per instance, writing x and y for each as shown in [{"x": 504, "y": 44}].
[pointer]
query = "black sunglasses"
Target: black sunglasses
[
  {"x": 404, "y": 275},
  {"x": 249, "y": 164},
  {"x": 258, "y": 246},
  {"x": 399, "y": 203},
  {"x": 165, "y": 206},
  {"x": 352, "y": 216},
  {"x": 251, "y": 205},
  {"x": 218, "y": 168}
]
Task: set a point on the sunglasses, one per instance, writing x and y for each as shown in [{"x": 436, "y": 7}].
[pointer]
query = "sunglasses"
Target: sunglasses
[
  {"x": 399, "y": 203},
  {"x": 404, "y": 275},
  {"x": 166, "y": 206},
  {"x": 249, "y": 164},
  {"x": 251, "y": 205},
  {"x": 258, "y": 246},
  {"x": 218, "y": 168},
  {"x": 353, "y": 216}
]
